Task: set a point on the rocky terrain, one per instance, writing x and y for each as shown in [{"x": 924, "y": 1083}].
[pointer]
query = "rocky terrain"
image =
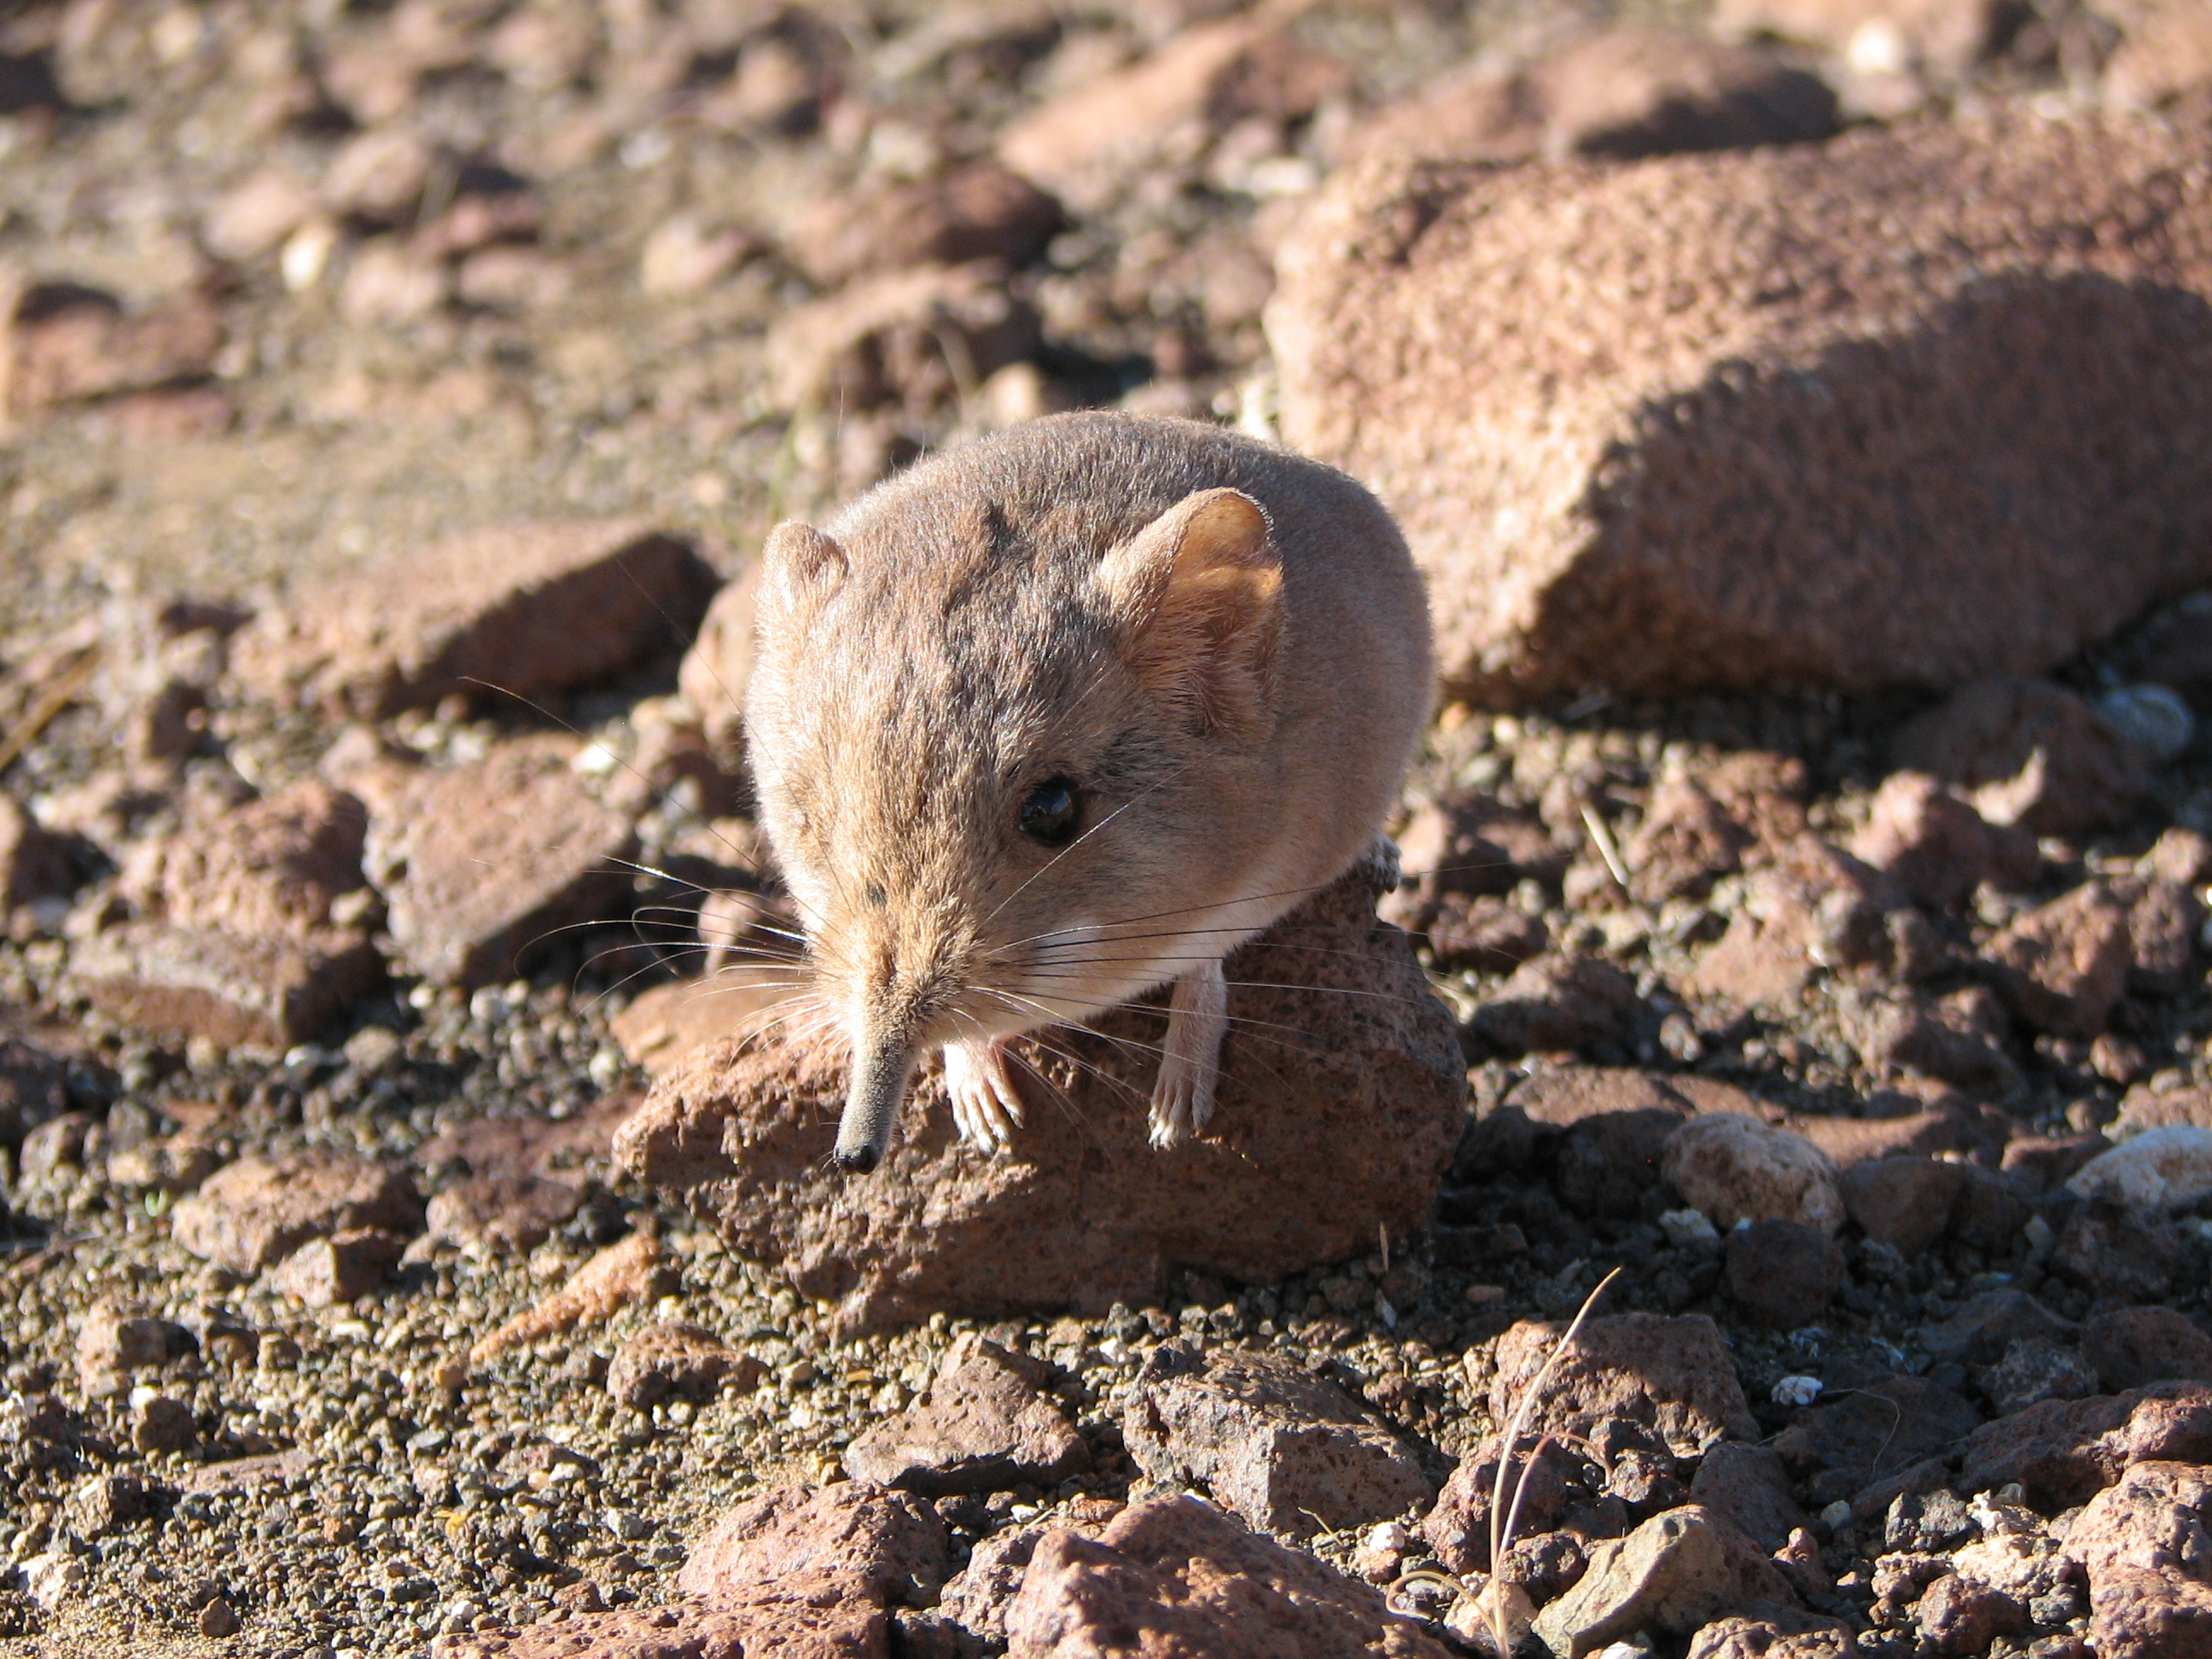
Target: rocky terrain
[{"x": 415, "y": 1229}]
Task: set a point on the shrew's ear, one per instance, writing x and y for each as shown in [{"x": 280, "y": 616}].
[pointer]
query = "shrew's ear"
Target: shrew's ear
[
  {"x": 1197, "y": 596},
  {"x": 800, "y": 568}
]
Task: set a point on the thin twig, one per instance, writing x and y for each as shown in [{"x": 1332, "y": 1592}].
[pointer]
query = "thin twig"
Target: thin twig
[
  {"x": 1503, "y": 1520},
  {"x": 1601, "y": 838},
  {"x": 56, "y": 699}
]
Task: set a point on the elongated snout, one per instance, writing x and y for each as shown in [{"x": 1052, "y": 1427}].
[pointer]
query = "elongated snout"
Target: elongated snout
[{"x": 880, "y": 1072}]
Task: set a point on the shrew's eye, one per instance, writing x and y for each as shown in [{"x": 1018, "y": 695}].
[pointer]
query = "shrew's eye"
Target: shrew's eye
[{"x": 1052, "y": 813}]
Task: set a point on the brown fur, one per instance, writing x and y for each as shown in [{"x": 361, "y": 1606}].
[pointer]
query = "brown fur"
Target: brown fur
[{"x": 1236, "y": 681}]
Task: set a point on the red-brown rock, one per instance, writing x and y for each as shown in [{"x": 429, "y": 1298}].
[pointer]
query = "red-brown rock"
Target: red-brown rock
[
  {"x": 2141, "y": 1541},
  {"x": 809, "y": 1615},
  {"x": 341, "y": 1267},
  {"x": 1673, "y": 1375},
  {"x": 1089, "y": 143},
  {"x": 519, "y": 608},
  {"x": 2064, "y": 1451},
  {"x": 1782, "y": 1274},
  {"x": 1673, "y": 1574},
  {"x": 270, "y": 866},
  {"x": 890, "y": 1545},
  {"x": 672, "y": 1357},
  {"x": 488, "y": 1213},
  {"x": 2032, "y": 753},
  {"x": 1577, "y": 427},
  {"x": 1289, "y": 1452},
  {"x": 1735, "y": 1168},
  {"x": 1172, "y": 1578},
  {"x": 1627, "y": 91},
  {"x": 1458, "y": 1526},
  {"x": 61, "y": 342},
  {"x": 909, "y": 338},
  {"x": 976, "y": 211},
  {"x": 2165, "y": 923},
  {"x": 269, "y": 992},
  {"x": 2065, "y": 964},
  {"x": 1266, "y": 1191},
  {"x": 483, "y": 866},
  {"x": 983, "y": 1426},
  {"x": 1935, "y": 846},
  {"x": 1779, "y": 1633},
  {"x": 33, "y": 864},
  {"x": 1873, "y": 1430},
  {"x": 1751, "y": 1487},
  {"x": 1903, "y": 1203},
  {"x": 1559, "y": 1002},
  {"x": 254, "y": 1213},
  {"x": 2131, "y": 1347}
]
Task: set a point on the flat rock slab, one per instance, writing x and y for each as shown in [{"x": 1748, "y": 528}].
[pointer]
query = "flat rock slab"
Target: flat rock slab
[
  {"x": 1675, "y": 1376},
  {"x": 269, "y": 992},
  {"x": 1289, "y": 1452},
  {"x": 525, "y": 608},
  {"x": 1342, "y": 1097},
  {"x": 2065, "y": 1451},
  {"x": 1696, "y": 423},
  {"x": 1176, "y": 1579},
  {"x": 482, "y": 866},
  {"x": 983, "y": 1426}
]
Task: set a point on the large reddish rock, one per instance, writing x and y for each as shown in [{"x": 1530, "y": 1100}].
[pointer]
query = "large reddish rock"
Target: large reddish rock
[
  {"x": 1674, "y": 1376},
  {"x": 912, "y": 337},
  {"x": 1694, "y": 422},
  {"x": 250, "y": 1214},
  {"x": 2142, "y": 1542},
  {"x": 746, "y": 1130},
  {"x": 1624, "y": 92},
  {"x": 1173, "y": 1579},
  {"x": 1289, "y": 1452},
  {"x": 1735, "y": 1168},
  {"x": 2065, "y": 1450},
  {"x": 521, "y": 608},
  {"x": 483, "y": 866}
]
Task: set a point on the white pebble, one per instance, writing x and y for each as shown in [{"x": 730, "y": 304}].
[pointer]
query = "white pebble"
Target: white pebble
[
  {"x": 2151, "y": 717},
  {"x": 1684, "y": 1227},
  {"x": 1837, "y": 1515},
  {"x": 52, "y": 1578},
  {"x": 1796, "y": 1390},
  {"x": 2164, "y": 1168}
]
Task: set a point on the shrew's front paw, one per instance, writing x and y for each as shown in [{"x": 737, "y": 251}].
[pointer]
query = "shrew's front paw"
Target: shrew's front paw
[{"x": 986, "y": 1107}]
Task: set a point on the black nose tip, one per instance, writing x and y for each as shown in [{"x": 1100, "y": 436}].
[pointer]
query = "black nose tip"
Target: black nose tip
[{"x": 858, "y": 1160}]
